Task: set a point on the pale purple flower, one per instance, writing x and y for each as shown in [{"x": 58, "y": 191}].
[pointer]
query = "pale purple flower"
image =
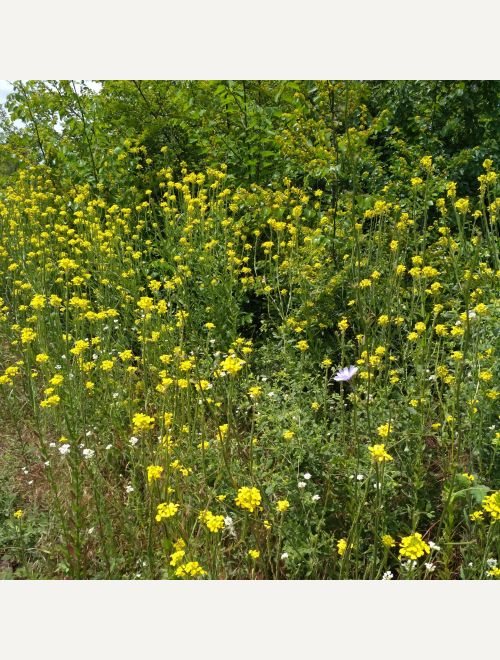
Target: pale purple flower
[{"x": 345, "y": 374}]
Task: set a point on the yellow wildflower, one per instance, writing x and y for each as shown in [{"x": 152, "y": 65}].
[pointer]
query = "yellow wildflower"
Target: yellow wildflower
[
  {"x": 491, "y": 504},
  {"x": 388, "y": 541},
  {"x": 282, "y": 505},
  {"x": 413, "y": 546},
  {"x": 248, "y": 498},
  {"x": 379, "y": 455},
  {"x": 166, "y": 510},
  {"x": 154, "y": 472},
  {"x": 190, "y": 570}
]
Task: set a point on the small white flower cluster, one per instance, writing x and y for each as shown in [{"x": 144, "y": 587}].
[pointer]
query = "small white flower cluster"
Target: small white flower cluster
[
  {"x": 302, "y": 484},
  {"x": 306, "y": 476},
  {"x": 229, "y": 526}
]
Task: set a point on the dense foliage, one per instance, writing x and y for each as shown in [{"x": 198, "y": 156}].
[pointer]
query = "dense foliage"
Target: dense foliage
[{"x": 249, "y": 329}]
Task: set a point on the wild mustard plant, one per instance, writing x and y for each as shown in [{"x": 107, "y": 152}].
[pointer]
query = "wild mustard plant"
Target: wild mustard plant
[{"x": 225, "y": 381}]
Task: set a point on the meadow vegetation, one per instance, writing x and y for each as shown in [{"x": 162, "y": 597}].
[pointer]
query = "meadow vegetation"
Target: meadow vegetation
[{"x": 249, "y": 330}]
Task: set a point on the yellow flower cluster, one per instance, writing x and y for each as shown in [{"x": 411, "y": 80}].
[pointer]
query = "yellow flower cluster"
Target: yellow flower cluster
[
  {"x": 248, "y": 498},
  {"x": 491, "y": 504},
  {"x": 142, "y": 422},
  {"x": 189, "y": 570},
  {"x": 213, "y": 523},
  {"x": 413, "y": 546},
  {"x": 232, "y": 364},
  {"x": 282, "y": 506},
  {"x": 166, "y": 510},
  {"x": 154, "y": 472},
  {"x": 379, "y": 454}
]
